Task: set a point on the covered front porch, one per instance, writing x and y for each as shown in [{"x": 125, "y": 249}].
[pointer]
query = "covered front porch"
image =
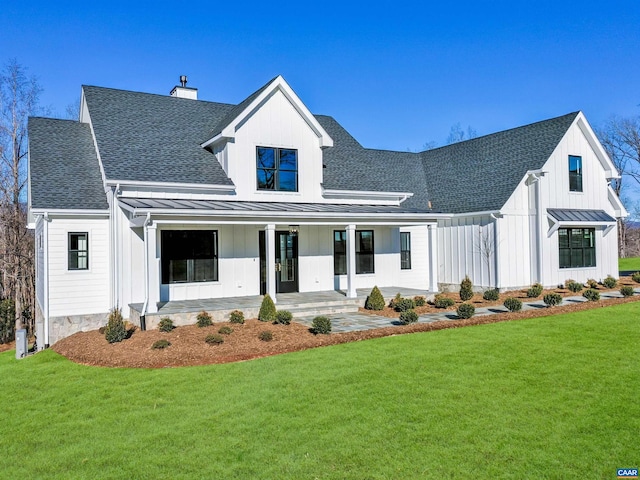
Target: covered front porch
[{"x": 303, "y": 305}]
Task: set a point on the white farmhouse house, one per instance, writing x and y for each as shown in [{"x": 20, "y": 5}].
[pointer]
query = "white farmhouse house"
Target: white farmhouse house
[{"x": 149, "y": 199}]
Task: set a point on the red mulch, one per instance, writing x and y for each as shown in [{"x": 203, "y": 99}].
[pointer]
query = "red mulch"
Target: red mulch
[{"x": 189, "y": 348}]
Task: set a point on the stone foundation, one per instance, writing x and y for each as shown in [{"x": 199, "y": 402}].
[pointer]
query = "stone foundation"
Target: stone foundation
[{"x": 61, "y": 327}]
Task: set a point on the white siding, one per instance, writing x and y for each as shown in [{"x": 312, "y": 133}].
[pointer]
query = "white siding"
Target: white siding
[
  {"x": 418, "y": 275},
  {"x": 78, "y": 292}
]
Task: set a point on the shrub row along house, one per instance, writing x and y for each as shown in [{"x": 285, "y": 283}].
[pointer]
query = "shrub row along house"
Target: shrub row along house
[{"x": 150, "y": 198}]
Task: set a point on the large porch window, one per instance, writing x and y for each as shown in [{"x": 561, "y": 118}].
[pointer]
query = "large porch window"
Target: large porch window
[
  {"x": 339, "y": 252},
  {"x": 364, "y": 252},
  {"x": 189, "y": 256},
  {"x": 577, "y": 247}
]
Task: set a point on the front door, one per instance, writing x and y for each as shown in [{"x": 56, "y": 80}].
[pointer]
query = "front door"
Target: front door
[{"x": 286, "y": 262}]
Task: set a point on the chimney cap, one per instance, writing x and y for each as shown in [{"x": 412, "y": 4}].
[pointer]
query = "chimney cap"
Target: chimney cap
[{"x": 183, "y": 80}]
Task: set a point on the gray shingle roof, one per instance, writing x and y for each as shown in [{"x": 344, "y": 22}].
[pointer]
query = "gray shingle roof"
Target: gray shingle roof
[
  {"x": 576, "y": 215},
  {"x": 64, "y": 168},
  {"x": 482, "y": 173},
  {"x": 155, "y": 138}
]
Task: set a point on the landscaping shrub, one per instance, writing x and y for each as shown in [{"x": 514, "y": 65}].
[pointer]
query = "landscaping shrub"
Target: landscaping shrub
[
  {"x": 283, "y": 317},
  {"x": 626, "y": 291},
  {"x": 567, "y": 282},
  {"x": 440, "y": 301},
  {"x": 321, "y": 324},
  {"x": 225, "y": 330},
  {"x": 267, "y": 309},
  {"x": 534, "y": 291},
  {"x": 404, "y": 304},
  {"x": 513, "y": 304},
  {"x": 591, "y": 294},
  {"x": 409, "y": 316},
  {"x": 466, "y": 310},
  {"x": 115, "y": 331},
  {"x": 491, "y": 295},
  {"x": 395, "y": 300},
  {"x": 214, "y": 339},
  {"x": 420, "y": 301},
  {"x": 160, "y": 344},
  {"x": 204, "y": 320},
  {"x": 8, "y": 321},
  {"x": 609, "y": 282},
  {"x": 636, "y": 277},
  {"x": 591, "y": 283},
  {"x": 265, "y": 336},
  {"x": 236, "y": 317},
  {"x": 375, "y": 300},
  {"x": 466, "y": 289},
  {"x": 575, "y": 287},
  {"x": 166, "y": 324},
  {"x": 552, "y": 299}
]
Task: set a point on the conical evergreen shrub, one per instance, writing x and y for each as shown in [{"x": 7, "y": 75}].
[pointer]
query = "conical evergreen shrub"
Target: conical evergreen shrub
[
  {"x": 466, "y": 289},
  {"x": 267, "y": 309},
  {"x": 375, "y": 300},
  {"x": 115, "y": 331}
]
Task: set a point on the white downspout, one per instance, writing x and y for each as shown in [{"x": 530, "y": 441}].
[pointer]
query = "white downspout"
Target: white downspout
[
  {"x": 45, "y": 277},
  {"x": 496, "y": 243},
  {"x": 116, "y": 270},
  {"x": 537, "y": 176},
  {"x": 146, "y": 265}
]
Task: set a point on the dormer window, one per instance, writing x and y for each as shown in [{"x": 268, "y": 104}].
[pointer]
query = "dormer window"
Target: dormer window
[
  {"x": 277, "y": 169},
  {"x": 575, "y": 173}
]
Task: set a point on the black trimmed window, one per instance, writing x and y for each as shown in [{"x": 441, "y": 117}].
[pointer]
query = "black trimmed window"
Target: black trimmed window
[
  {"x": 189, "y": 256},
  {"x": 339, "y": 252},
  {"x": 575, "y": 173},
  {"x": 78, "y": 257},
  {"x": 577, "y": 247},
  {"x": 364, "y": 252},
  {"x": 277, "y": 169},
  {"x": 405, "y": 250}
]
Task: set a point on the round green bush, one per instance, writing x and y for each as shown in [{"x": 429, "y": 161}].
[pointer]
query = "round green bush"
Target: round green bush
[
  {"x": 236, "y": 317},
  {"x": 160, "y": 344},
  {"x": 466, "y": 289},
  {"x": 466, "y": 310},
  {"x": 225, "y": 330},
  {"x": 491, "y": 295},
  {"x": 283, "y": 317},
  {"x": 440, "y": 301},
  {"x": 513, "y": 304},
  {"x": 408, "y": 316},
  {"x": 420, "y": 301},
  {"x": 592, "y": 283},
  {"x": 403, "y": 305},
  {"x": 115, "y": 330},
  {"x": 265, "y": 336},
  {"x": 552, "y": 299},
  {"x": 575, "y": 287},
  {"x": 267, "y": 309},
  {"x": 636, "y": 277},
  {"x": 166, "y": 324},
  {"x": 214, "y": 339},
  {"x": 204, "y": 320},
  {"x": 321, "y": 325},
  {"x": 591, "y": 295},
  {"x": 534, "y": 291},
  {"x": 609, "y": 282},
  {"x": 375, "y": 300},
  {"x": 626, "y": 291}
]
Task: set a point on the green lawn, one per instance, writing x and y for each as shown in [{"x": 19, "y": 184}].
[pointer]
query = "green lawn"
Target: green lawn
[
  {"x": 629, "y": 264},
  {"x": 554, "y": 397}
]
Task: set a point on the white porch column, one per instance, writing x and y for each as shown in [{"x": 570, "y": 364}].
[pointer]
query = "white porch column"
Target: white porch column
[
  {"x": 153, "y": 281},
  {"x": 433, "y": 258},
  {"x": 270, "y": 247},
  {"x": 351, "y": 261}
]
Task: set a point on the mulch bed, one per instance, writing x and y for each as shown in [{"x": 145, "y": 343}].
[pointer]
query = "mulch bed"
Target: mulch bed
[{"x": 189, "y": 348}]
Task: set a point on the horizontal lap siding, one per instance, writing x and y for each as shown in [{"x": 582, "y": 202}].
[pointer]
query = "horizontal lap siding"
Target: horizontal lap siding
[{"x": 78, "y": 292}]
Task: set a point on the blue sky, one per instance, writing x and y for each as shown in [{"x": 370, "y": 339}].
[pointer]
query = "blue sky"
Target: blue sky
[{"x": 395, "y": 74}]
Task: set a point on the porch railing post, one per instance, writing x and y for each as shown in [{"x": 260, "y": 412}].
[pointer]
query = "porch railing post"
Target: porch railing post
[
  {"x": 270, "y": 247},
  {"x": 351, "y": 261}
]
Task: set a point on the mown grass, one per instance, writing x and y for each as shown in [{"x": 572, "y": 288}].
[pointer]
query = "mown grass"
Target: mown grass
[
  {"x": 553, "y": 397},
  {"x": 629, "y": 264}
]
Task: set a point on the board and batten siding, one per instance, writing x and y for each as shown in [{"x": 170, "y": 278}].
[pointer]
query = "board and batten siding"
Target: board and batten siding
[
  {"x": 78, "y": 292},
  {"x": 418, "y": 275}
]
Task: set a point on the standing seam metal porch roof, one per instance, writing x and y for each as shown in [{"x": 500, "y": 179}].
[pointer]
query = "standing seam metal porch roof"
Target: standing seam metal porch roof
[{"x": 576, "y": 215}]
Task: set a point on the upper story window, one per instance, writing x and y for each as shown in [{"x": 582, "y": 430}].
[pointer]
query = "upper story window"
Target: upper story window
[
  {"x": 575, "y": 173},
  {"x": 277, "y": 169},
  {"x": 78, "y": 251}
]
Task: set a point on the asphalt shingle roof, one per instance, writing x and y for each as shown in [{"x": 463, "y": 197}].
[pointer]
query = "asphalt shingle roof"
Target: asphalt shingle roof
[{"x": 64, "y": 168}]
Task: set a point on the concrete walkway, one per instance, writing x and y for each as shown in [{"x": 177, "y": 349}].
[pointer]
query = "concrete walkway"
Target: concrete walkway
[{"x": 356, "y": 321}]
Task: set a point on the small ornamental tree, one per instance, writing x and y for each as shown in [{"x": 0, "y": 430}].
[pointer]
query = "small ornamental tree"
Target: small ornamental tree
[
  {"x": 115, "y": 331},
  {"x": 375, "y": 300},
  {"x": 466, "y": 289},
  {"x": 267, "y": 309}
]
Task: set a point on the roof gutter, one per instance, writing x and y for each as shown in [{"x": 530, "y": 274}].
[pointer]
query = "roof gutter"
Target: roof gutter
[{"x": 168, "y": 186}]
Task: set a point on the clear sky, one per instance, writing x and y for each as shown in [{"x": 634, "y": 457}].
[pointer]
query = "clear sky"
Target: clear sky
[{"x": 395, "y": 74}]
